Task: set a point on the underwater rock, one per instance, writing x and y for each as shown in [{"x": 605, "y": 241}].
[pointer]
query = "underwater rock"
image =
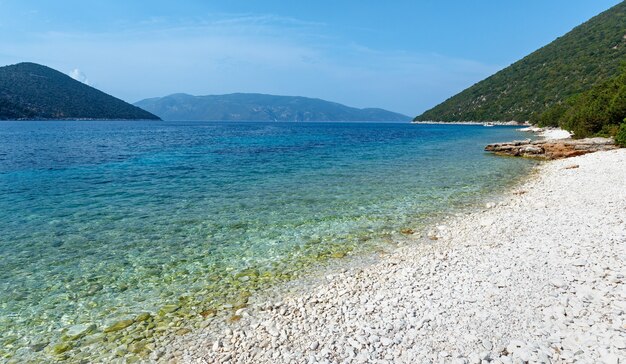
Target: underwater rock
[
  {"x": 137, "y": 347},
  {"x": 145, "y": 316},
  {"x": 38, "y": 347},
  {"x": 208, "y": 312},
  {"x": 93, "y": 338},
  {"x": 78, "y": 331},
  {"x": 119, "y": 325},
  {"x": 61, "y": 348},
  {"x": 168, "y": 309},
  {"x": 183, "y": 331},
  {"x": 93, "y": 289}
]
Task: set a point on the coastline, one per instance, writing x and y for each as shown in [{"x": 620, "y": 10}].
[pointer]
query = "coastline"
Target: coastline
[
  {"x": 524, "y": 278},
  {"x": 493, "y": 123},
  {"x": 117, "y": 313},
  {"x": 549, "y": 133}
]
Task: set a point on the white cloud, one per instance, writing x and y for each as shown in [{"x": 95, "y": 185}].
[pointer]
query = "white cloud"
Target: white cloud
[{"x": 78, "y": 75}]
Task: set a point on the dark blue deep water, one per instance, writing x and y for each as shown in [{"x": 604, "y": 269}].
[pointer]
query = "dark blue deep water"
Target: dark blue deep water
[{"x": 102, "y": 220}]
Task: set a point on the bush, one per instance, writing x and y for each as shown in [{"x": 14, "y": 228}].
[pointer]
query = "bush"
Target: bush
[
  {"x": 620, "y": 137},
  {"x": 552, "y": 116},
  {"x": 608, "y": 131}
]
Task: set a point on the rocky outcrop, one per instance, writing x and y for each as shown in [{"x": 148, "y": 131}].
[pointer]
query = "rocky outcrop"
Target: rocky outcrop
[{"x": 551, "y": 149}]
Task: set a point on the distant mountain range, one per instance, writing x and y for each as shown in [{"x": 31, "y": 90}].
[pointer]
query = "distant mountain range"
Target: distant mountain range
[
  {"x": 259, "y": 107},
  {"x": 587, "y": 56},
  {"x": 33, "y": 91}
]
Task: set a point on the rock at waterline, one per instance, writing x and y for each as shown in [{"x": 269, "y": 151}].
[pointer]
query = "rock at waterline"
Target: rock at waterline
[{"x": 551, "y": 149}]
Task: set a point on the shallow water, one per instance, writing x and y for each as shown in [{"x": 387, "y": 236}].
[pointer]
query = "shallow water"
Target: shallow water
[{"x": 103, "y": 220}]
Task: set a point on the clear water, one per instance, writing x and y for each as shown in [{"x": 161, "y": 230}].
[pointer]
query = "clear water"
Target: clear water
[{"x": 102, "y": 220}]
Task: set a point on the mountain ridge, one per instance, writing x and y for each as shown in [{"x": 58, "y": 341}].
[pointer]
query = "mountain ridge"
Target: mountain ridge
[
  {"x": 259, "y": 107},
  {"x": 30, "y": 91}
]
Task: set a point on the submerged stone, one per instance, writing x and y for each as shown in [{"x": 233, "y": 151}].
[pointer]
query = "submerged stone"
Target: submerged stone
[
  {"x": 137, "y": 347},
  {"x": 93, "y": 339},
  {"x": 78, "y": 331},
  {"x": 61, "y": 348},
  {"x": 183, "y": 331},
  {"x": 208, "y": 312},
  {"x": 119, "y": 325},
  {"x": 38, "y": 347},
  {"x": 143, "y": 317},
  {"x": 94, "y": 289},
  {"x": 168, "y": 309}
]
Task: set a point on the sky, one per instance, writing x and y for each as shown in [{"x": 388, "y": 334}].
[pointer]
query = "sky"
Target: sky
[{"x": 401, "y": 55}]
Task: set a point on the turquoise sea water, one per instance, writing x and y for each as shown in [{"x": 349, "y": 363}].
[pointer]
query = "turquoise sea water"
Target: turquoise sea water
[{"x": 101, "y": 221}]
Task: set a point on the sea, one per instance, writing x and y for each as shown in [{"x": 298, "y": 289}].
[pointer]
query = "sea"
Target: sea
[{"x": 102, "y": 221}]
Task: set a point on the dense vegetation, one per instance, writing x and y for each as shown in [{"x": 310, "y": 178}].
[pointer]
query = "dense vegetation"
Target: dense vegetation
[
  {"x": 247, "y": 107},
  {"x": 598, "y": 111},
  {"x": 620, "y": 137},
  {"x": 32, "y": 91},
  {"x": 586, "y": 56}
]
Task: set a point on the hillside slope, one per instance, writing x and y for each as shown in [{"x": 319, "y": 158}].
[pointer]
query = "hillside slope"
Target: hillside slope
[
  {"x": 260, "y": 107},
  {"x": 589, "y": 54},
  {"x": 599, "y": 111},
  {"x": 33, "y": 91}
]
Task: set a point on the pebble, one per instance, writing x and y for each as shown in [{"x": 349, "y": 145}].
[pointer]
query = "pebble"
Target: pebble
[
  {"x": 580, "y": 262},
  {"x": 487, "y": 345},
  {"x": 536, "y": 278}
]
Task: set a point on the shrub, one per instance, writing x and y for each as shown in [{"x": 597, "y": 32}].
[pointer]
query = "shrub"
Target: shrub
[
  {"x": 620, "y": 137},
  {"x": 608, "y": 131}
]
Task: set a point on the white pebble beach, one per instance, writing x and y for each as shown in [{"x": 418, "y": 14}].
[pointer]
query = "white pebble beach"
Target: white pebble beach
[{"x": 537, "y": 275}]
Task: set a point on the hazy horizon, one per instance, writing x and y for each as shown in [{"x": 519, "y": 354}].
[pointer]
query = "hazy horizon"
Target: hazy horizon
[{"x": 404, "y": 58}]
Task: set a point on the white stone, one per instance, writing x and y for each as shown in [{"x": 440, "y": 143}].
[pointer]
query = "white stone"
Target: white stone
[
  {"x": 537, "y": 280},
  {"x": 386, "y": 341}
]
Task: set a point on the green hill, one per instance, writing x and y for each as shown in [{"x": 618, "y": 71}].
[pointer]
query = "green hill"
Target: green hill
[
  {"x": 260, "y": 107},
  {"x": 586, "y": 56},
  {"x": 33, "y": 91}
]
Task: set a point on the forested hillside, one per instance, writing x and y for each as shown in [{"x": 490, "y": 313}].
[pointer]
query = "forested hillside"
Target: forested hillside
[
  {"x": 598, "y": 111},
  {"x": 33, "y": 91},
  {"x": 587, "y": 56}
]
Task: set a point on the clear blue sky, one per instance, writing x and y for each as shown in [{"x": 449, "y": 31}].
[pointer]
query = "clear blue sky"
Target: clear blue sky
[{"x": 404, "y": 55}]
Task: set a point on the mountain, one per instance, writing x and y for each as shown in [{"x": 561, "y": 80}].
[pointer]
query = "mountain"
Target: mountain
[
  {"x": 259, "y": 107},
  {"x": 586, "y": 56},
  {"x": 33, "y": 91}
]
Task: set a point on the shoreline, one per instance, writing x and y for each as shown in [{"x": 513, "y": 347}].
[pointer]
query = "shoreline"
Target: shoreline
[
  {"x": 118, "y": 321},
  {"x": 547, "y": 133},
  {"x": 395, "y": 309},
  {"x": 492, "y": 123}
]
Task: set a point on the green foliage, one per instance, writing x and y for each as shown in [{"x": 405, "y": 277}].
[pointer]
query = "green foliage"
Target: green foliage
[
  {"x": 597, "y": 111},
  {"x": 608, "y": 131},
  {"x": 551, "y": 116},
  {"x": 32, "y": 91},
  {"x": 586, "y": 56},
  {"x": 620, "y": 136}
]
